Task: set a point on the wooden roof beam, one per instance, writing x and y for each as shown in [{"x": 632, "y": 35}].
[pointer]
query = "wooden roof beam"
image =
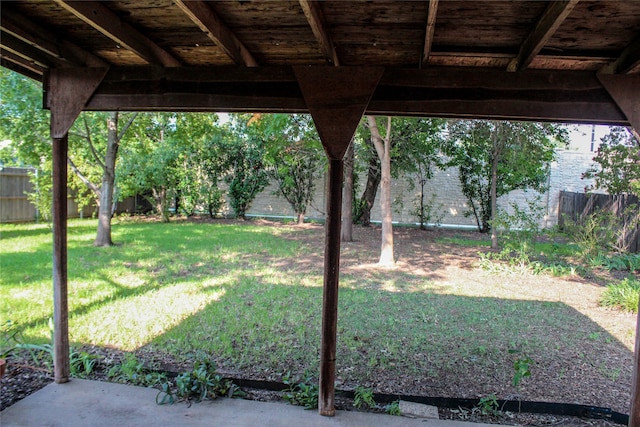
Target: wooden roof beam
[
  {"x": 20, "y": 65},
  {"x": 431, "y": 26},
  {"x": 313, "y": 11},
  {"x": 546, "y": 26},
  {"x": 108, "y": 23},
  {"x": 20, "y": 48},
  {"x": 46, "y": 40},
  {"x": 202, "y": 14},
  {"x": 627, "y": 61}
]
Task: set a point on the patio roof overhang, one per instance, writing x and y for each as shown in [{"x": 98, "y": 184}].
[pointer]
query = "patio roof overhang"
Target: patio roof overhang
[{"x": 568, "y": 60}]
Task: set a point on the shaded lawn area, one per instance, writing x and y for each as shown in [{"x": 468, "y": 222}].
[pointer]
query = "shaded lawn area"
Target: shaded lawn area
[{"x": 249, "y": 296}]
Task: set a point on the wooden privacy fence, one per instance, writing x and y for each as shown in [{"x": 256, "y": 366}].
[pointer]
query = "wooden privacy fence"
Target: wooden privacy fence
[
  {"x": 14, "y": 204},
  {"x": 575, "y": 207}
]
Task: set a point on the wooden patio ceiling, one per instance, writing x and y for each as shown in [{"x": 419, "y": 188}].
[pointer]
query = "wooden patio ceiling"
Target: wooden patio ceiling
[
  {"x": 538, "y": 60},
  {"x": 565, "y": 60}
]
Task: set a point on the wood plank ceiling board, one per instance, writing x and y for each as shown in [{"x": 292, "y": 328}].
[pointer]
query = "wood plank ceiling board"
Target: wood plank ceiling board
[
  {"x": 47, "y": 41},
  {"x": 205, "y": 17},
  {"x": 99, "y": 16}
]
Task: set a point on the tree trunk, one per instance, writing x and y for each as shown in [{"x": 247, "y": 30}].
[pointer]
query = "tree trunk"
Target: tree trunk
[
  {"x": 105, "y": 204},
  {"x": 160, "y": 200},
  {"x": 300, "y": 216},
  {"x": 370, "y": 191},
  {"x": 383, "y": 148},
  {"x": 346, "y": 230},
  {"x": 494, "y": 187}
]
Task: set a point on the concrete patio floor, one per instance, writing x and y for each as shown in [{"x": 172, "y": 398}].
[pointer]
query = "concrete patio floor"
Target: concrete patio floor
[{"x": 94, "y": 403}]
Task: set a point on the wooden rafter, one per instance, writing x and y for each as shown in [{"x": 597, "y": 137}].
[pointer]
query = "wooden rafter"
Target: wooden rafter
[
  {"x": 22, "y": 49},
  {"x": 551, "y": 19},
  {"x": 207, "y": 19},
  {"x": 431, "y": 26},
  {"x": 20, "y": 65},
  {"x": 627, "y": 61},
  {"x": 313, "y": 11},
  {"x": 46, "y": 40},
  {"x": 108, "y": 23}
]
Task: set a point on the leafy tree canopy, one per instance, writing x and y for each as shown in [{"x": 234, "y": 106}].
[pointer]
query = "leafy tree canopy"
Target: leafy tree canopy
[{"x": 617, "y": 163}]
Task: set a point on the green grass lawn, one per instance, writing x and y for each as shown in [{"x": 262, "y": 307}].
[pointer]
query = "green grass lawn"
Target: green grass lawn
[{"x": 190, "y": 290}]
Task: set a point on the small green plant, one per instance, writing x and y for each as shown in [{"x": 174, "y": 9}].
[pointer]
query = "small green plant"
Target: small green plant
[
  {"x": 426, "y": 210},
  {"x": 623, "y": 295},
  {"x": 132, "y": 371},
  {"x": 9, "y": 338},
  {"x": 488, "y": 405},
  {"x": 518, "y": 230},
  {"x": 363, "y": 398},
  {"x": 81, "y": 363},
  {"x": 393, "y": 408},
  {"x": 618, "y": 262},
  {"x": 203, "y": 382},
  {"x": 301, "y": 393},
  {"x": 522, "y": 368}
]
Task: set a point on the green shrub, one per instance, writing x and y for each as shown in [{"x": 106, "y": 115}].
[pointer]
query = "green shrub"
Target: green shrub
[{"x": 623, "y": 295}]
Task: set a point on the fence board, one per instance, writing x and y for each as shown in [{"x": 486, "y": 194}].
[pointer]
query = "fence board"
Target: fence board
[{"x": 14, "y": 204}]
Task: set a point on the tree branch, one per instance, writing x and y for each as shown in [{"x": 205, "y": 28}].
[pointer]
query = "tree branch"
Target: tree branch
[
  {"x": 126, "y": 127},
  {"x": 91, "y": 146},
  {"x": 83, "y": 178}
]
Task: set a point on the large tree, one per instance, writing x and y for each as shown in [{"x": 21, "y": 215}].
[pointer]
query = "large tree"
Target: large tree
[
  {"x": 382, "y": 144},
  {"x": 243, "y": 162},
  {"x": 174, "y": 158},
  {"x": 294, "y": 158},
  {"x": 497, "y": 157},
  {"x": 617, "y": 163},
  {"x": 95, "y": 153}
]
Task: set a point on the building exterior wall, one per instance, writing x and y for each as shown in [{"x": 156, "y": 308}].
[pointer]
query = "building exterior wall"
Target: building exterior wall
[{"x": 445, "y": 193}]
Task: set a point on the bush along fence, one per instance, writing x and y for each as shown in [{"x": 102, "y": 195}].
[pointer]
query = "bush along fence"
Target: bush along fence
[{"x": 617, "y": 215}]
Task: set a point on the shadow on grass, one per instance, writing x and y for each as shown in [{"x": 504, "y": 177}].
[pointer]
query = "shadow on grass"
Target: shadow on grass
[{"x": 424, "y": 343}]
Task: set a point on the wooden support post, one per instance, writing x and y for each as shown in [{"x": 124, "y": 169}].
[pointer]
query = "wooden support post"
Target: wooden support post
[
  {"x": 67, "y": 92},
  {"x": 625, "y": 91},
  {"x": 330, "y": 295},
  {"x": 336, "y": 97},
  {"x": 60, "y": 306},
  {"x": 634, "y": 414}
]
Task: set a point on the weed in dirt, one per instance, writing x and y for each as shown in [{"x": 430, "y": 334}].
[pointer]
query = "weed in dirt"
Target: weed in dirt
[
  {"x": 302, "y": 392},
  {"x": 133, "y": 371},
  {"x": 203, "y": 382},
  {"x": 363, "y": 398},
  {"x": 488, "y": 405}
]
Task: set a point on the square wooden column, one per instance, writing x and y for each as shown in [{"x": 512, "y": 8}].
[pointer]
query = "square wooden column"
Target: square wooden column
[
  {"x": 61, "y": 370},
  {"x": 336, "y": 97},
  {"x": 67, "y": 91},
  {"x": 625, "y": 91}
]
